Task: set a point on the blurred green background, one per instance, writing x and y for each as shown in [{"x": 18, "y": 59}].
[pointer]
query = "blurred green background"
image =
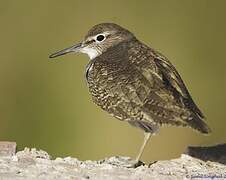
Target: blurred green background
[{"x": 45, "y": 103}]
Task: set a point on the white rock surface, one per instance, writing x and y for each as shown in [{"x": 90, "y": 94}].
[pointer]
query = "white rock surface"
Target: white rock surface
[{"x": 34, "y": 164}]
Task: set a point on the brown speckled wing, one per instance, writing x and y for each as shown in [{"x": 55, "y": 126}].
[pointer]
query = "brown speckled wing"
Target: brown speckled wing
[
  {"x": 169, "y": 101},
  {"x": 173, "y": 80}
]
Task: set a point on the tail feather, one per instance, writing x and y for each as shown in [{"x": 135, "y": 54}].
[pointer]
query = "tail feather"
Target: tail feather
[{"x": 197, "y": 123}]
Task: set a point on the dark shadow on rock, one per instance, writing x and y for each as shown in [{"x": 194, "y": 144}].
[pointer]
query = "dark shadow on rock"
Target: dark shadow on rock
[{"x": 216, "y": 153}]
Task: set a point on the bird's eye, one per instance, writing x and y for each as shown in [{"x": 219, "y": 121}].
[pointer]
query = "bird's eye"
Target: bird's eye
[{"x": 100, "y": 38}]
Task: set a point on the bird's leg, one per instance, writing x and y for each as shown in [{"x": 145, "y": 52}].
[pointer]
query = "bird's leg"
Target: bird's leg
[
  {"x": 146, "y": 138},
  {"x": 130, "y": 163}
]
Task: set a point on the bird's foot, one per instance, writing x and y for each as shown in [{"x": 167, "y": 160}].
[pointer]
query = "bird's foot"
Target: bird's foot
[{"x": 123, "y": 162}]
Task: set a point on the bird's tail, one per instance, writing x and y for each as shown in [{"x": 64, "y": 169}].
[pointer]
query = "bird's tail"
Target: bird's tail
[{"x": 198, "y": 123}]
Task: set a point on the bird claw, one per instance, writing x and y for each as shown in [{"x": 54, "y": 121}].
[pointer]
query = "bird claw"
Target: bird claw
[
  {"x": 124, "y": 162},
  {"x": 137, "y": 164}
]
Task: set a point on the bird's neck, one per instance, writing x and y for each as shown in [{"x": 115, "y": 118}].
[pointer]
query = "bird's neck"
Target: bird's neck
[{"x": 117, "y": 52}]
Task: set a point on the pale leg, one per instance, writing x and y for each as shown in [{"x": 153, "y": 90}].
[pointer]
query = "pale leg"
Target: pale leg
[{"x": 146, "y": 138}]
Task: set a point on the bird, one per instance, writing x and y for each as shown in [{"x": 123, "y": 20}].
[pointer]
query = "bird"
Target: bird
[{"x": 135, "y": 83}]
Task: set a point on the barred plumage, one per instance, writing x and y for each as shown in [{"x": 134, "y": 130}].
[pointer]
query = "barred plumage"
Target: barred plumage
[{"x": 135, "y": 83}]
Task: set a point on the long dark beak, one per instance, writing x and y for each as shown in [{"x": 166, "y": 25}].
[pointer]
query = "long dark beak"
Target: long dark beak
[{"x": 74, "y": 48}]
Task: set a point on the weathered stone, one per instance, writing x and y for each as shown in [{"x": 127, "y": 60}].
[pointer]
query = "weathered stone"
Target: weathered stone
[{"x": 34, "y": 164}]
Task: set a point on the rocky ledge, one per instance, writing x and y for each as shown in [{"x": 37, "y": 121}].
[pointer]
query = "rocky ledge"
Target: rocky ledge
[{"x": 196, "y": 163}]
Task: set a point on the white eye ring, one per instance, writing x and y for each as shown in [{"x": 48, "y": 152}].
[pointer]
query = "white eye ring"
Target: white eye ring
[{"x": 100, "y": 38}]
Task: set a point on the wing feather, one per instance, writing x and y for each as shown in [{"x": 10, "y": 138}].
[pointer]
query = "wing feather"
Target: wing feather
[{"x": 173, "y": 80}]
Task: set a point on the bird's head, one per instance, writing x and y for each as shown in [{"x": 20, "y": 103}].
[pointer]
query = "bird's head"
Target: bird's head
[{"x": 98, "y": 40}]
